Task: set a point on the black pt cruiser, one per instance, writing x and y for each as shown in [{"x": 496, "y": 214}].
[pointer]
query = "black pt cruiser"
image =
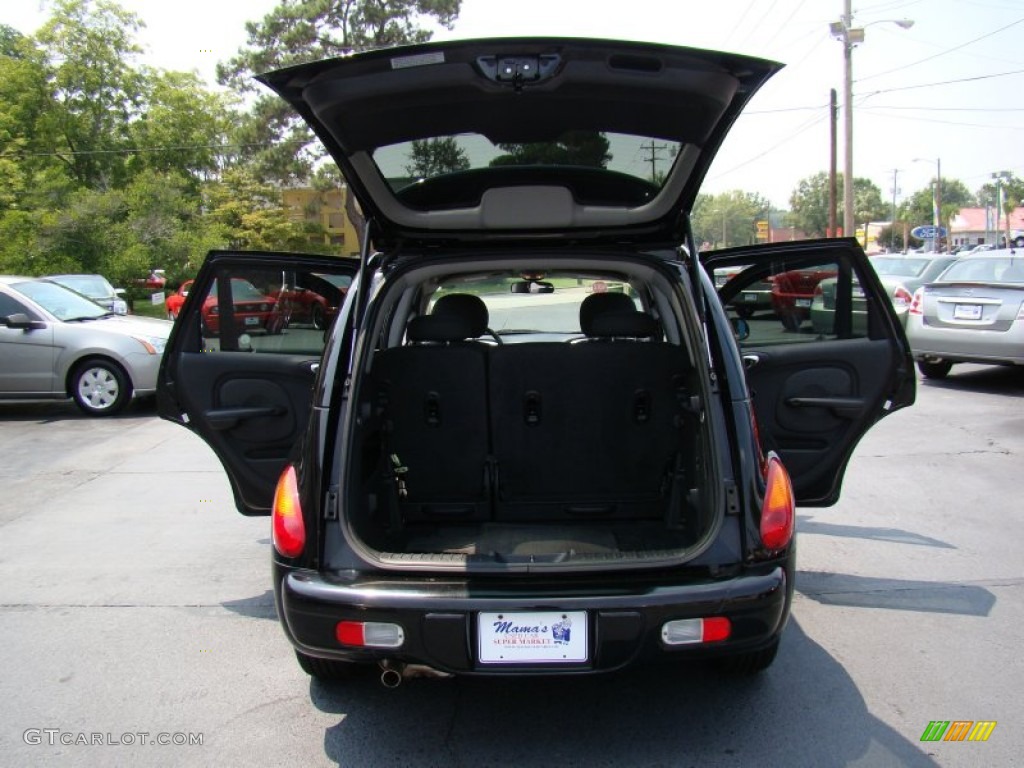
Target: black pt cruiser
[{"x": 535, "y": 437}]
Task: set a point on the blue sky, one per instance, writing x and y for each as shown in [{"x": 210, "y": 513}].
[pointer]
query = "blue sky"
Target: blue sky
[{"x": 948, "y": 88}]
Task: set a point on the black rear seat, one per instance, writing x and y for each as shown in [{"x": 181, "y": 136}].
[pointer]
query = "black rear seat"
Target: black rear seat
[
  {"x": 432, "y": 396},
  {"x": 589, "y": 430},
  {"x": 535, "y": 431}
]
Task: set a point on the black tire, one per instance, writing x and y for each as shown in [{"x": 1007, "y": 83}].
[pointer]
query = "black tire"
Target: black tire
[
  {"x": 934, "y": 369},
  {"x": 1019, "y": 242},
  {"x": 749, "y": 663},
  {"x": 791, "y": 321},
  {"x": 317, "y": 317},
  {"x": 328, "y": 670},
  {"x": 100, "y": 387}
]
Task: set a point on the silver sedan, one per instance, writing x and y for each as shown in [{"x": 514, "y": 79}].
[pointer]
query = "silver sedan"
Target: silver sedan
[
  {"x": 973, "y": 313},
  {"x": 56, "y": 344}
]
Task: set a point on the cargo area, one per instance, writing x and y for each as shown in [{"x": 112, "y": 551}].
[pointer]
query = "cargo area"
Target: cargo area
[{"x": 541, "y": 451}]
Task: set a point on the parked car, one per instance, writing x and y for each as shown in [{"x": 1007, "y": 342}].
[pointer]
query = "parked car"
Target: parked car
[
  {"x": 900, "y": 274},
  {"x": 792, "y": 293},
  {"x": 95, "y": 287},
  {"x": 316, "y": 303},
  {"x": 55, "y": 344},
  {"x": 174, "y": 302},
  {"x": 755, "y": 298},
  {"x": 973, "y": 313},
  {"x": 579, "y": 487},
  {"x": 254, "y": 310}
]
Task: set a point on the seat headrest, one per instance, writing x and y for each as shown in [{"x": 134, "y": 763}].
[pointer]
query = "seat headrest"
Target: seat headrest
[
  {"x": 438, "y": 328},
  {"x": 632, "y": 324},
  {"x": 597, "y": 304},
  {"x": 471, "y": 309}
]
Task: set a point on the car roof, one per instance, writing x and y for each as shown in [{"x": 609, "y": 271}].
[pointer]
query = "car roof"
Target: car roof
[{"x": 529, "y": 117}]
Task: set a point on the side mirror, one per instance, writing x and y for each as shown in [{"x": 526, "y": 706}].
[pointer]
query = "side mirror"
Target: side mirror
[
  {"x": 741, "y": 328},
  {"x": 120, "y": 291},
  {"x": 22, "y": 321}
]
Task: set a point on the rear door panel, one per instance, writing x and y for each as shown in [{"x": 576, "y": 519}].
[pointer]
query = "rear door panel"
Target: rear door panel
[
  {"x": 820, "y": 372},
  {"x": 241, "y": 363}
]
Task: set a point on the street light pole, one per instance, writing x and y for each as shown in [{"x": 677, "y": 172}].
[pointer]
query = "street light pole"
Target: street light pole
[
  {"x": 850, "y": 36},
  {"x": 848, "y": 226}
]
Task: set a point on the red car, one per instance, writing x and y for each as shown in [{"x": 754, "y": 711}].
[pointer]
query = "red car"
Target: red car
[
  {"x": 254, "y": 310},
  {"x": 315, "y": 304},
  {"x": 792, "y": 293},
  {"x": 176, "y": 299}
]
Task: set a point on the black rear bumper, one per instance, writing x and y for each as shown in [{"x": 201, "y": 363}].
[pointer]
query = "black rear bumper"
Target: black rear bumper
[{"x": 438, "y": 618}]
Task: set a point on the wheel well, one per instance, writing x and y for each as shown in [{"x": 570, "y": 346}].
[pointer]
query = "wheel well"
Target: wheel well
[{"x": 73, "y": 370}]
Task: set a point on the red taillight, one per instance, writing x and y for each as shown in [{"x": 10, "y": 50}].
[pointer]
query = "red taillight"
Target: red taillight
[
  {"x": 289, "y": 531},
  {"x": 917, "y": 302},
  {"x": 370, "y": 634},
  {"x": 716, "y": 628},
  {"x": 778, "y": 509},
  {"x": 901, "y": 296}
]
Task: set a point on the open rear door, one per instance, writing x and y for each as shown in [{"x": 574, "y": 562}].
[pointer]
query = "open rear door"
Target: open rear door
[
  {"x": 242, "y": 360},
  {"x": 824, "y": 353}
]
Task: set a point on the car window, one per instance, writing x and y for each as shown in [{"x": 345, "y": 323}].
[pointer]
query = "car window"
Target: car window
[
  {"x": 1007, "y": 269},
  {"x": 11, "y": 306},
  {"x": 794, "y": 302},
  {"x": 92, "y": 286},
  {"x": 62, "y": 303},
  {"x": 534, "y": 303},
  {"x": 897, "y": 267},
  {"x": 269, "y": 311}
]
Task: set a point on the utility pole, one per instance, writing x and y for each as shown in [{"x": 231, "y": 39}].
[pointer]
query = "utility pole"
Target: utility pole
[
  {"x": 833, "y": 110},
  {"x": 848, "y": 225},
  {"x": 653, "y": 149},
  {"x": 895, "y": 191}
]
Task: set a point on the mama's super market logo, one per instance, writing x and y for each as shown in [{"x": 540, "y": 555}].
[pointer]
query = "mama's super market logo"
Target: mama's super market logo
[{"x": 958, "y": 730}]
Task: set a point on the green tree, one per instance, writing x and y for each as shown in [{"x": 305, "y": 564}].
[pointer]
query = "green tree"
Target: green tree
[
  {"x": 809, "y": 203},
  {"x": 95, "y": 91},
  {"x": 298, "y": 31},
  {"x": 182, "y": 128},
  {"x": 919, "y": 208},
  {"x": 728, "y": 219},
  {"x": 432, "y": 157},
  {"x": 248, "y": 213},
  {"x": 587, "y": 148}
]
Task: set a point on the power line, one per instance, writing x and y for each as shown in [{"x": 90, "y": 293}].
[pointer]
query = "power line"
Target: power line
[{"x": 942, "y": 53}]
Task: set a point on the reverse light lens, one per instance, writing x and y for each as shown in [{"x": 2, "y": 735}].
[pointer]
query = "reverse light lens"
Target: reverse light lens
[
  {"x": 369, "y": 634},
  {"x": 778, "y": 509},
  {"x": 289, "y": 531},
  {"x": 691, "y": 631}
]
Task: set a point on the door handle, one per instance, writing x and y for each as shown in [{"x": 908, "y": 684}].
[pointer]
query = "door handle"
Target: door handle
[
  {"x": 844, "y": 407},
  {"x": 222, "y": 419}
]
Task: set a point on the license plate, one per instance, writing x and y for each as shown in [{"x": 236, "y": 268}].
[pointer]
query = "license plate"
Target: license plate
[
  {"x": 750, "y": 297},
  {"x": 967, "y": 312},
  {"x": 536, "y": 637},
  {"x": 803, "y": 302},
  {"x": 252, "y": 321}
]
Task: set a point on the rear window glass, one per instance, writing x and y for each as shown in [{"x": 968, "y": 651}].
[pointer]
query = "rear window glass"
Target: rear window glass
[
  {"x": 899, "y": 267},
  {"x": 982, "y": 270},
  {"x": 547, "y": 305},
  {"x": 640, "y": 157}
]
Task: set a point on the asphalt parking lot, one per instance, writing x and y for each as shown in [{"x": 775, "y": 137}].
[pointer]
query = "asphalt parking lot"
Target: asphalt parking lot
[{"x": 135, "y": 608}]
